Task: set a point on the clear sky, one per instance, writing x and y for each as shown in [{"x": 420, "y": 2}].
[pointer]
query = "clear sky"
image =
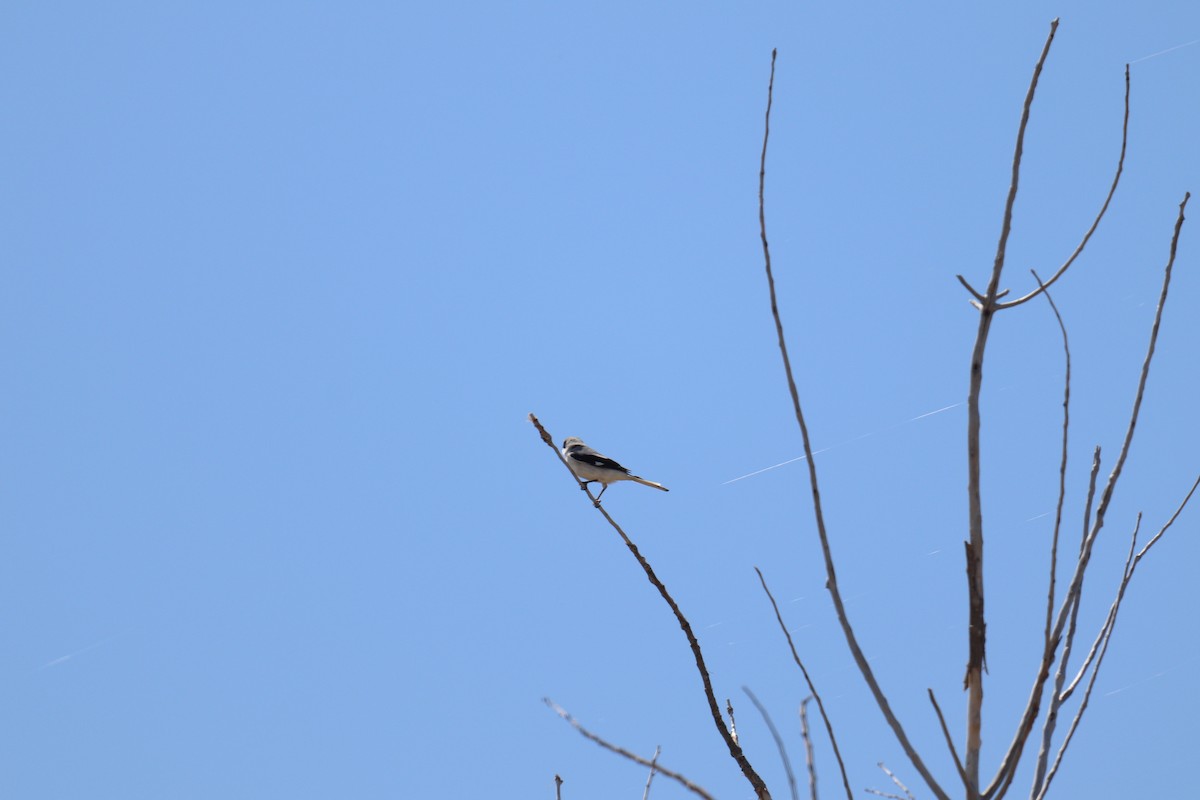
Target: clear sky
[{"x": 281, "y": 282}]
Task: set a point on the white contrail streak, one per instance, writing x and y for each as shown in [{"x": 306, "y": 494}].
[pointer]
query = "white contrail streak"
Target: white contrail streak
[
  {"x": 62, "y": 659},
  {"x": 1164, "y": 52},
  {"x": 840, "y": 444}
]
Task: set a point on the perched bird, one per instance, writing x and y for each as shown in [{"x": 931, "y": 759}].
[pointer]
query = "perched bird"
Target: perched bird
[{"x": 590, "y": 466}]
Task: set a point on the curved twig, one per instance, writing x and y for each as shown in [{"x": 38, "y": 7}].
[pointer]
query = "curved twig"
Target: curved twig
[
  {"x": 831, "y": 575},
  {"x": 1096, "y": 223},
  {"x": 1062, "y": 464},
  {"x": 735, "y": 751}
]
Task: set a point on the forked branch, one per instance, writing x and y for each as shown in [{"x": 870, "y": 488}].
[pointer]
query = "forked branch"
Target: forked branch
[
  {"x": 977, "y": 629},
  {"x": 1096, "y": 223}
]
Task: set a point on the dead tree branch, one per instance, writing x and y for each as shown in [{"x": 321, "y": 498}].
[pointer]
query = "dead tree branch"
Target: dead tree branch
[
  {"x": 735, "y": 751},
  {"x": 1012, "y": 757},
  {"x": 977, "y": 632}
]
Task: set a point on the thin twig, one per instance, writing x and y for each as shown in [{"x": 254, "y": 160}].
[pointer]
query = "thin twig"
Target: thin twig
[
  {"x": 837, "y": 753},
  {"x": 974, "y": 292},
  {"x": 1105, "y": 635},
  {"x": 809, "y": 762},
  {"x": 735, "y": 751},
  {"x": 783, "y": 756},
  {"x": 977, "y": 628},
  {"x": 831, "y": 574},
  {"x": 653, "y": 769},
  {"x": 732, "y": 722},
  {"x": 1096, "y": 223},
  {"x": 949, "y": 739},
  {"x": 1062, "y": 464},
  {"x": 1009, "y": 765},
  {"x": 978, "y": 297},
  {"x": 621, "y": 751},
  {"x": 896, "y": 781},
  {"x": 558, "y": 782}
]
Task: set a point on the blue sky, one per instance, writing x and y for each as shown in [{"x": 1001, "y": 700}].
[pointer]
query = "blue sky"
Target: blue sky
[{"x": 282, "y": 282}]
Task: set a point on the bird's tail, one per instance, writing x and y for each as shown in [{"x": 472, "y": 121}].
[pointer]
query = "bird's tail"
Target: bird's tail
[{"x": 645, "y": 482}]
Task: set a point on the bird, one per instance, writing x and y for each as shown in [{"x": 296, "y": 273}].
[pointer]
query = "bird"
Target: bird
[{"x": 592, "y": 467}]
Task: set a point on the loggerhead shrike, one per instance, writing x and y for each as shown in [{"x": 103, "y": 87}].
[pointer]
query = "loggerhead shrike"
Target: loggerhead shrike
[{"x": 590, "y": 466}]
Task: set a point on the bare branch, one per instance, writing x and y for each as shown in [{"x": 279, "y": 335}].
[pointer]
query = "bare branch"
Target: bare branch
[
  {"x": 760, "y": 788},
  {"x": 1009, "y": 765},
  {"x": 811, "y": 688},
  {"x": 977, "y": 629},
  {"x": 949, "y": 739},
  {"x": 831, "y": 575},
  {"x": 1105, "y": 635},
  {"x": 787, "y": 762},
  {"x": 558, "y": 782},
  {"x": 653, "y": 769},
  {"x": 621, "y": 751},
  {"x": 809, "y": 761},
  {"x": 1095, "y": 224}
]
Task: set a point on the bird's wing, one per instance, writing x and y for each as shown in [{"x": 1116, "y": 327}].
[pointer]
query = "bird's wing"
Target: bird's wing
[{"x": 591, "y": 457}]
